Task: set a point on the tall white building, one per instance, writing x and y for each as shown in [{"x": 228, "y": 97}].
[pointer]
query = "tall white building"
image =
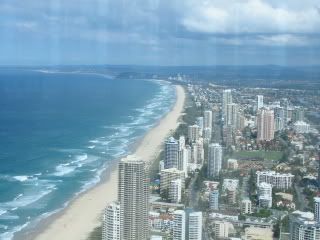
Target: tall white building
[
  {"x": 265, "y": 195},
  {"x": 317, "y": 209},
  {"x": 171, "y": 153},
  {"x": 167, "y": 176},
  {"x": 231, "y": 118},
  {"x": 182, "y": 142},
  {"x": 214, "y": 200},
  {"x": 221, "y": 229},
  {"x": 277, "y": 180},
  {"x": 303, "y": 226},
  {"x": 265, "y": 125},
  {"x": 207, "y": 119},
  {"x": 259, "y": 102},
  {"x": 246, "y": 206},
  {"x": 175, "y": 191},
  {"x": 111, "y": 222},
  {"x": 207, "y": 134},
  {"x": 179, "y": 225},
  {"x": 195, "y": 226},
  {"x": 200, "y": 123},
  {"x": 226, "y": 99},
  {"x": 183, "y": 158},
  {"x": 193, "y": 133},
  {"x": 214, "y": 159},
  {"x": 133, "y": 195}
]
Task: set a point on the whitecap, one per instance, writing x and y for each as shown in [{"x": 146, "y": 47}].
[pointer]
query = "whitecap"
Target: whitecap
[{"x": 91, "y": 147}]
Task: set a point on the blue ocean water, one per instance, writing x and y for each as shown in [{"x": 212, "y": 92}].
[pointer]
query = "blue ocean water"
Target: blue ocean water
[{"x": 58, "y": 131}]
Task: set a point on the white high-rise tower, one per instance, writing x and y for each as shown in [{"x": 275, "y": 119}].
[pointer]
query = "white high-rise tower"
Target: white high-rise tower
[
  {"x": 111, "y": 222},
  {"x": 133, "y": 195},
  {"x": 214, "y": 159}
]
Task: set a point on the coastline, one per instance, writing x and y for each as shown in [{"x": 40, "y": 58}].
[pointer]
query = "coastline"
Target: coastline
[{"x": 83, "y": 213}]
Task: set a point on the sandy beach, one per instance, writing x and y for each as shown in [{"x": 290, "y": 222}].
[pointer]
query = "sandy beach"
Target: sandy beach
[{"x": 84, "y": 213}]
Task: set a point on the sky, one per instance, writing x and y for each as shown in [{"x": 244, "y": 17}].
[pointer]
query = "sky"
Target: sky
[{"x": 160, "y": 32}]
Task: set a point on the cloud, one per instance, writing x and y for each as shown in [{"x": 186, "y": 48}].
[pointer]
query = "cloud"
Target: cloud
[{"x": 250, "y": 16}]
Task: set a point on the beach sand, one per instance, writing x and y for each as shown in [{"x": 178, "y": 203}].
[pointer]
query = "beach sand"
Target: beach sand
[{"x": 83, "y": 214}]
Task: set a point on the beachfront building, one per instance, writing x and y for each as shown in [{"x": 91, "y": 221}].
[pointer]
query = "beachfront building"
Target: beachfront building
[
  {"x": 169, "y": 175},
  {"x": 111, "y": 222},
  {"x": 171, "y": 153},
  {"x": 133, "y": 195},
  {"x": 277, "y": 180},
  {"x": 200, "y": 123},
  {"x": 179, "y": 225},
  {"x": 265, "y": 125},
  {"x": 193, "y": 133},
  {"x": 214, "y": 159},
  {"x": 195, "y": 226}
]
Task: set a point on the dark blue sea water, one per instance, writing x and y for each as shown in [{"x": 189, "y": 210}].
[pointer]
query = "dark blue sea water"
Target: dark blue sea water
[{"x": 58, "y": 131}]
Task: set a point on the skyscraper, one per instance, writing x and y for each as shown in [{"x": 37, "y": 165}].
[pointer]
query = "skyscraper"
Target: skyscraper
[
  {"x": 207, "y": 119},
  {"x": 193, "y": 133},
  {"x": 133, "y": 193},
  {"x": 259, "y": 102},
  {"x": 226, "y": 99},
  {"x": 179, "y": 226},
  {"x": 195, "y": 226},
  {"x": 265, "y": 124},
  {"x": 111, "y": 222},
  {"x": 232, "y": 115},
  {"x": 171, "y": 153},
  {"x": 214, "y": 159}
]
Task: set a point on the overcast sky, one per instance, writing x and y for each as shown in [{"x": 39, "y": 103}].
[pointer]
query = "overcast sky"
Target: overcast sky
[{"x": 160, "y": 32}]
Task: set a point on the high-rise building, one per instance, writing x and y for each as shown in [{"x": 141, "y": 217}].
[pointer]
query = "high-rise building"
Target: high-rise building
[
  {"x": 277, "y": 180},
  {"x": 179, "y": 225},
  {"x": 200, "y": 123},
  {"x": 265, "y": 195},
  {"x": 175, "y": 191},
  {"x": 207, "y": 134},
  {"x": 221, "y": 229},
  {"x": 214, "y": 159},
  {"x": 265, "y": 124},
  {"x": 193, "y": 133},
  {"x": 303, "y": 226},
  {"x": 195, "y": 226},
  {"x": 111, "y": 222},
  {"x": 214, "y": 200},
  {"x": 183, "y": 156},
  {"x": 232, "y": 195},
  {"x": 207, "y": 119},
  {"x": 167, "y": 176},
  {"x": 182, "y": 142},
  {"x": 171, "y": 153},
  {"x": 232, "y": 115},
  {"x": 226, "y": 99},
  {"x": 246, "y": 206},
  {"x": 317, "y": 209},
  {"x": 133, "y": 195},
  {"x": 259, "y": 102}
]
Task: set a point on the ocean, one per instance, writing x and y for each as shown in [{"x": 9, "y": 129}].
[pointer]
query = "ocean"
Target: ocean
[{"x": 60, "y": 130}]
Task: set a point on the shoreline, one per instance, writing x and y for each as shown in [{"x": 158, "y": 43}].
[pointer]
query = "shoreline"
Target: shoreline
[{"x": 83, "y": 213}]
